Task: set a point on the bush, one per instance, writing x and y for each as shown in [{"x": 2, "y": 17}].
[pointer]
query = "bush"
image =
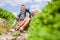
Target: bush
[
  {"x": 3, "y": 29},
  {"x": 8, "y": 16},
  {"x": 15, "y": 34},
  {"x": 46, "y": 26}
]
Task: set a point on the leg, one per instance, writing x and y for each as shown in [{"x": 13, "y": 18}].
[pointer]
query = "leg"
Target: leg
[
  {"x": 26, "y": 22},
  {"x": 24, "y": 26},
  {"x": 22, "y": 22}
]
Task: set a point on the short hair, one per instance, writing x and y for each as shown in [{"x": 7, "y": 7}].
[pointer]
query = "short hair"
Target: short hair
[{"x": 22, "y": 5}]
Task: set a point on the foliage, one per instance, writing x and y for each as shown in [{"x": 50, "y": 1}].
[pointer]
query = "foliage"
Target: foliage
[
  {"x": 3, "y": 29},
  {"x": 15, "y": 34},
  {"x": 46, "y": 26},
  {"x": 7, "y": 15}
]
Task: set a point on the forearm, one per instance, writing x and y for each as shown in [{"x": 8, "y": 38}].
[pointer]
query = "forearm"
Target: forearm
[
  {"x": 26, "y": 18},
  {"x": 22, "y": 22}
]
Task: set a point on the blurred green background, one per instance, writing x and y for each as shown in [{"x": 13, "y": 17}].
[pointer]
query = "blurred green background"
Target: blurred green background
[{"x": 46, "y": 25}]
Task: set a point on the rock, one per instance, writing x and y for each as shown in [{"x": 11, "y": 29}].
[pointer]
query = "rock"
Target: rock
[
  {"x": 21, "y": 38},
  {"x": 34, "y": 12},
  {"x": 8, "y": 36},
  {"x": 2, "y": 21}
]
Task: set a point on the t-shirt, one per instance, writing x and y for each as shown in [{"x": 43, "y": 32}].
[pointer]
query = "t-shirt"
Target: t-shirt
[{"x": 22, "y": 16}]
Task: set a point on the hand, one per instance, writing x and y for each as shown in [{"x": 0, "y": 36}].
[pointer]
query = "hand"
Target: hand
[
  {"x": 21, "y": 28},
  {"x": 17, "y": 28}
]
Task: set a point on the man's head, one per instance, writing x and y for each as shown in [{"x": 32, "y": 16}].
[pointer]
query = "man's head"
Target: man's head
[{"x": 23, "y": 8}]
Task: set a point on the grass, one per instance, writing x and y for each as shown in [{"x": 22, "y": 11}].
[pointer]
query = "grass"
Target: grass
[{"x": 3, "y": 29}]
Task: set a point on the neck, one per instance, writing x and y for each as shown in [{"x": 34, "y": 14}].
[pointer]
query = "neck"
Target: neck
[{"x": 23, "y": 12}]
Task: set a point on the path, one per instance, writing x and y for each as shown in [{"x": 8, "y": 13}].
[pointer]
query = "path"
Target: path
[{"x": 7, "y": 36}]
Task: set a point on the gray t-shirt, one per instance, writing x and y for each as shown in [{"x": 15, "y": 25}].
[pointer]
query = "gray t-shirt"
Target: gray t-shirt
[{"x": 22, "y": 16}]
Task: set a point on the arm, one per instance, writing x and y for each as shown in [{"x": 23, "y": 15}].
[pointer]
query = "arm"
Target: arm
[
  {"x": 19, "y": 16},
  {"x": 27, "y": 10}
]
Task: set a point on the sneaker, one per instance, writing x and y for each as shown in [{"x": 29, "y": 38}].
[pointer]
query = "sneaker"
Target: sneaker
[{"x": 21, "y": 29}]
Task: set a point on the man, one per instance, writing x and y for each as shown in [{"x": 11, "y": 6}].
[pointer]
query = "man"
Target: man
[{"x": 24, "y": 18}]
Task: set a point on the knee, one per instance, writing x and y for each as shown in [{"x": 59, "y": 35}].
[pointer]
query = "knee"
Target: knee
[{"x": 28, "y": 19}]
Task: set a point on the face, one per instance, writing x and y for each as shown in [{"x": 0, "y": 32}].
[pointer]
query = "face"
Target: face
[{"x": 23, "y": 8}]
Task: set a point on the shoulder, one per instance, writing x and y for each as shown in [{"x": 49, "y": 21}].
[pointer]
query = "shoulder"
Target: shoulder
[{"x": 27, "y": 10}]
